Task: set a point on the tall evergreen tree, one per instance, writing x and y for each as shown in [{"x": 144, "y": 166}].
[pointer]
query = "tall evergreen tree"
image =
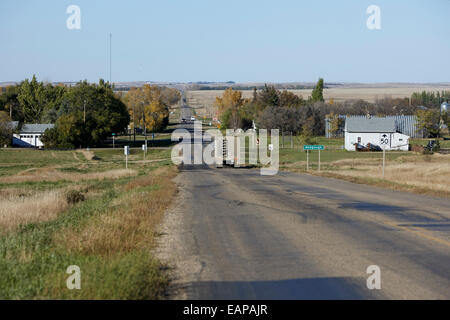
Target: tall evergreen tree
[{"x": 317, "y": 94}]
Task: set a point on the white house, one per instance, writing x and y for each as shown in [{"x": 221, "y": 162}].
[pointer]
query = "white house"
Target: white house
[
  {"x": 30, "y": 135},
  {"x": 379, "y": 132}
]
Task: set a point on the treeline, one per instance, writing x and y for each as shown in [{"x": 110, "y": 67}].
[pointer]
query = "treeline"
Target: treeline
[
  {"x": 430, "y": 119},
  {"x": 84, "y": 114},
  {"x": 430, "y": 99},
  {"x": 248, "y": 87},
  {"x": 271, "y": 108}
]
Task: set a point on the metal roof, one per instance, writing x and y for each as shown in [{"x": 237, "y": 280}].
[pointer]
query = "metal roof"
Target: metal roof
[
  {"x": 36, "y": 127},
  {"x": 373, "y": 124}
]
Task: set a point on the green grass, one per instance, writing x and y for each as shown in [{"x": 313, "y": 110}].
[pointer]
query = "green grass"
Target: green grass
[
  {"x": 136, "y": 154},
  {"x": 291, "y": 155},
  {"x": 32, "y": 157},
  {"x": 423, "y": 142},
  {"x": 332, "y": 152},
  {"x": 38, "y": 185},
  {"x": 33, "y": 265}
]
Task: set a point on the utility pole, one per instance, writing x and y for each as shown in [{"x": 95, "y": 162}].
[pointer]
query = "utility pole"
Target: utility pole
[
  {"x": 110, "y": 59},
  {"x": 134, "y": 125},
  {"x": 145, "y": 132}
]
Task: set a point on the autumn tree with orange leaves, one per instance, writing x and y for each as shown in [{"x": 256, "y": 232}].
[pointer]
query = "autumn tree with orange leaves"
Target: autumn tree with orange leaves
[
  {"x": 147, "y": 108},
  {"x": 229, "y": 105}
]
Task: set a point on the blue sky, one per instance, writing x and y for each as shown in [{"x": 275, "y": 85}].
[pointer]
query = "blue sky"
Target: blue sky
[{"x": 243, "y": 41}]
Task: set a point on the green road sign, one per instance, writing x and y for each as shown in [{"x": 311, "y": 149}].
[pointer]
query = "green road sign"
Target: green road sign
[
  {"x": 113, "y": 134},
  {"x": 314, "y": 147}
]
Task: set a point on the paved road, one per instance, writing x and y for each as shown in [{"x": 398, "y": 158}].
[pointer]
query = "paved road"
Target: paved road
[
  {"x": 186, "y": 110},
  {"x": 295, "y": 236}
]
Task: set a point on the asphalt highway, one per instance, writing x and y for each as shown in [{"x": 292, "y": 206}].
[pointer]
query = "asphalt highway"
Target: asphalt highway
[{"x": 296, "y": 236}]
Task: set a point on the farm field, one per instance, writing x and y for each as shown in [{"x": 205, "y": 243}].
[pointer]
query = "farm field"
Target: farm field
[
  {"x": 203, "y": 100},
  {"x": 62, "y": 208}
]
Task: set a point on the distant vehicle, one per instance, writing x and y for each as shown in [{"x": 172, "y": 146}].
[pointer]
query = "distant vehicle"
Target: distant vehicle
[
  {"x": 192, "y": 118},
  {"x": 183, "y": 120}
]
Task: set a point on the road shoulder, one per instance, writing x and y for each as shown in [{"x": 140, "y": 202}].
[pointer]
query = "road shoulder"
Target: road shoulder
[{"x": 174, "y": 243}]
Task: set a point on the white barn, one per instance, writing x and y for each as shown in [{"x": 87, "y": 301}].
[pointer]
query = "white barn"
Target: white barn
[
  {"x": 379, "y": 132},
  {"x": 30, "y": 135}
]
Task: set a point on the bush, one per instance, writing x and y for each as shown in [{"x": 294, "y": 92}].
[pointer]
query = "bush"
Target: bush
[
  {"x": 6, "y": 131},
  {"x": 74, "y": 196}
]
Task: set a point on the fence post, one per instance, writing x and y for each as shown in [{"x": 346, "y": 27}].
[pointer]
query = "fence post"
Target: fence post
[
  {"x": 307, "y": 160},
  {"x": 319, "y": 159},
  {"x": 292, "y": 141}
]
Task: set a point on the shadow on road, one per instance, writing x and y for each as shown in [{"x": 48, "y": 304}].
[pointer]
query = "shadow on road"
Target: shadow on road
[{"x": 342, "y": 288}]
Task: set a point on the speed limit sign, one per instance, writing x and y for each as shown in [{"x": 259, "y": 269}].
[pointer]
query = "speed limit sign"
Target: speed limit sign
[{"x": 384, "y": 141}]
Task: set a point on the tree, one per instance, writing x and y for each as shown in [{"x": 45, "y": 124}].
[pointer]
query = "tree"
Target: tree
[
  {"x": 429, "y": 99},
  {"x": 446, "y": 120},
  {"x": 170, "y": 96},
  {"x": 68, "y": 133},
  {"x": 289, "y": 99},
  {"x": 148, "y": 107},
  {"x": 336, "y": 124},
  {"x": 35, "y": 97},
  {"x": 231, "y": 101},
  {"x": 134, "y": 101},
  {"x": 156, "y": 116},
  {"x": 317, "y": 93},
  {"x": 307, "y": 131},
  {"x": 285, "y": 119},
  {"x": 105, "y": 114},
  {"x": 6, "y": 130},
  {"x": 10, "y": 104},
  {"x": 269, "y": 96},
  {"x": 428, "y": 121},
  {"x": 32, "y": 99}
]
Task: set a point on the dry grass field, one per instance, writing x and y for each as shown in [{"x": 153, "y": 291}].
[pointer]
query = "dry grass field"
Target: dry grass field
[
  {"x": 406, "y": 171},
  {"x": 203, "y": 100},
  {"x": 60, "y": 208},
  {"x": 18, "y": 208},
  {"x": 429, "y": 174}
]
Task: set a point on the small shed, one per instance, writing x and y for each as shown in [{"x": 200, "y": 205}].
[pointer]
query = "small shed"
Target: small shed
[
  {"x": 379, "y": 132},
  {"x": 30, "y": 135}
]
